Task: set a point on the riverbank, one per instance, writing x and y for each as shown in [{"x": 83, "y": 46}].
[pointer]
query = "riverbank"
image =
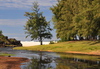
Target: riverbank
[
  {"x": 77, "y": 47},
  {"x": 11, "y": 62}
]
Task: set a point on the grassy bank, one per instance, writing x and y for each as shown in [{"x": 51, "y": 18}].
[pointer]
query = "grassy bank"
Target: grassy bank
[
  {"x": 73, "y": 46},
  {"x": 5, "y": 54}
]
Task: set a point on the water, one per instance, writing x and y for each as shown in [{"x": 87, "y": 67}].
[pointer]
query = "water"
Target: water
[{"x": 47, "y": 60}]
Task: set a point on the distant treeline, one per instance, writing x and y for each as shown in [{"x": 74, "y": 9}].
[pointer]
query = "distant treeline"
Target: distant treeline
[
  {"x": 77, "y": 17},
  {"x": 4, "y": 41}
]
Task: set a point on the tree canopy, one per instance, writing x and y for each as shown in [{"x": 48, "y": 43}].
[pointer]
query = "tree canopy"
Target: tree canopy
[
  {"x": 77, "y": 17},
  {"x": 37, "y": 27}
]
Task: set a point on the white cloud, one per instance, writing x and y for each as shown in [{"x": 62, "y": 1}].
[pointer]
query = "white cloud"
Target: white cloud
[
  {"x": 14, "y": 34},
  {"x": 13, "y": 22},
  {"x": 25, "y": 3}
]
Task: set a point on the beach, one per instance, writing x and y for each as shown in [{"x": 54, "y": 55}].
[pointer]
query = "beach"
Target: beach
[
  {"x": 32, "y": 43},
  {"x": 11, "y": 62}
]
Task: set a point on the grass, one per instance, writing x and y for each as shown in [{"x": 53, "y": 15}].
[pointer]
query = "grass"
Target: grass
[
  {"x": 6, "y": 54},
  {"x": 79, "y": 46}
]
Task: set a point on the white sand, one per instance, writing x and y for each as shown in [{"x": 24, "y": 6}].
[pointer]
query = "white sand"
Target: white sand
[{"x": 32, "y": 43}]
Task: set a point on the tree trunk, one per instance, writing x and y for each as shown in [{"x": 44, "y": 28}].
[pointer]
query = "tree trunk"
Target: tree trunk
[
  {"x": 41, "y": 42},
  {"x": 98, "y": 37},
  {"x": 87, "y": 38}
]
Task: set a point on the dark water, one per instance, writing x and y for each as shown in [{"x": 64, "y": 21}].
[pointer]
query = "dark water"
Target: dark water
[{"x": 47, "y": 60}]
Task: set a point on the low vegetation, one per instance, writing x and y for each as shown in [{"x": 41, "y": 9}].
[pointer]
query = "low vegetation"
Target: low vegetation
[
  {"x": 6, "y": 54},
  {"x": 8, "y": 42},
  {"x": 76, "y": 46}
]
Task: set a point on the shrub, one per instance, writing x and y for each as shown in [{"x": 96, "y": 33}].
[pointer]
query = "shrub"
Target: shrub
[{"x": 51, "y": 42}]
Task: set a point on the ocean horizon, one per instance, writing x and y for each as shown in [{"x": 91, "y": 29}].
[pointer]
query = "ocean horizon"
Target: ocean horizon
[{"x": 33, "y": 43}]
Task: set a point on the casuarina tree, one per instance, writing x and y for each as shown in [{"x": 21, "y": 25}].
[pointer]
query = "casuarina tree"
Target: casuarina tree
[{"x": 37, "y": 27}]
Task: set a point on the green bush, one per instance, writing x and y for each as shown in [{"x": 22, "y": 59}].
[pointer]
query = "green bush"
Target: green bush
[{"x": 51, "y": 42}]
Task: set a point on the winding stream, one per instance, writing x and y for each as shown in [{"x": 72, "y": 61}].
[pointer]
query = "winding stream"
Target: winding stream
[{"x": 48, "y": 60}]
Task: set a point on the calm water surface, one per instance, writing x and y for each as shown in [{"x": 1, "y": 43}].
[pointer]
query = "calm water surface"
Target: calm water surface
[{"x": 47, "y": 60}]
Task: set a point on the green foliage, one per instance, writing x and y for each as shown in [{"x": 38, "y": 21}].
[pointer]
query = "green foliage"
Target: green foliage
[
  {"x": 6, "y": 54},
  {"x": 77, "y": 17},
  {"x": 51, "y": 42},
  {"x": 37, "y": 27},
  {"x": 4, "y": 41},
  {"x": 0, "y": 32}
]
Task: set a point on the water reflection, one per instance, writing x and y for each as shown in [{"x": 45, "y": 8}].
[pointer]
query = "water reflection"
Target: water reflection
[
  {"x": 63, "y": 62},
  {"x": 46, "y": 60},
  {"x": 72, "y": 63},
  {"x": 75, "y": 61},
  {"x": 41, "y": 62}
]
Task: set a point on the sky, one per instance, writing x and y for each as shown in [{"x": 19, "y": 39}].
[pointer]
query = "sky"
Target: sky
[{"x": 12, "y": 19}]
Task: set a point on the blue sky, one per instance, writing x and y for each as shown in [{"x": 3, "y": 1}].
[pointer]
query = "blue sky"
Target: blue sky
[{"x": 12, "y": 19}]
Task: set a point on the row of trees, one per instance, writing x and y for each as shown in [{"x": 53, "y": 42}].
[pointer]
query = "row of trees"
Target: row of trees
[{"x": 77, "y": 17}]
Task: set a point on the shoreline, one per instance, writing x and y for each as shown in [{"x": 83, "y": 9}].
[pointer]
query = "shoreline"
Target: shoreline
[
  {"x": 75, "y": 47},
  {"x": 93, "y": 53},
  {"x": 12, "y": 62}
]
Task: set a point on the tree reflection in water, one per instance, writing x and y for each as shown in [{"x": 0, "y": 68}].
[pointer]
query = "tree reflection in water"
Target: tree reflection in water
[
  {"x": 63, "y": 62},
  {"x": 74, "y": 63},
  {"x": 40, "y": 63}
]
